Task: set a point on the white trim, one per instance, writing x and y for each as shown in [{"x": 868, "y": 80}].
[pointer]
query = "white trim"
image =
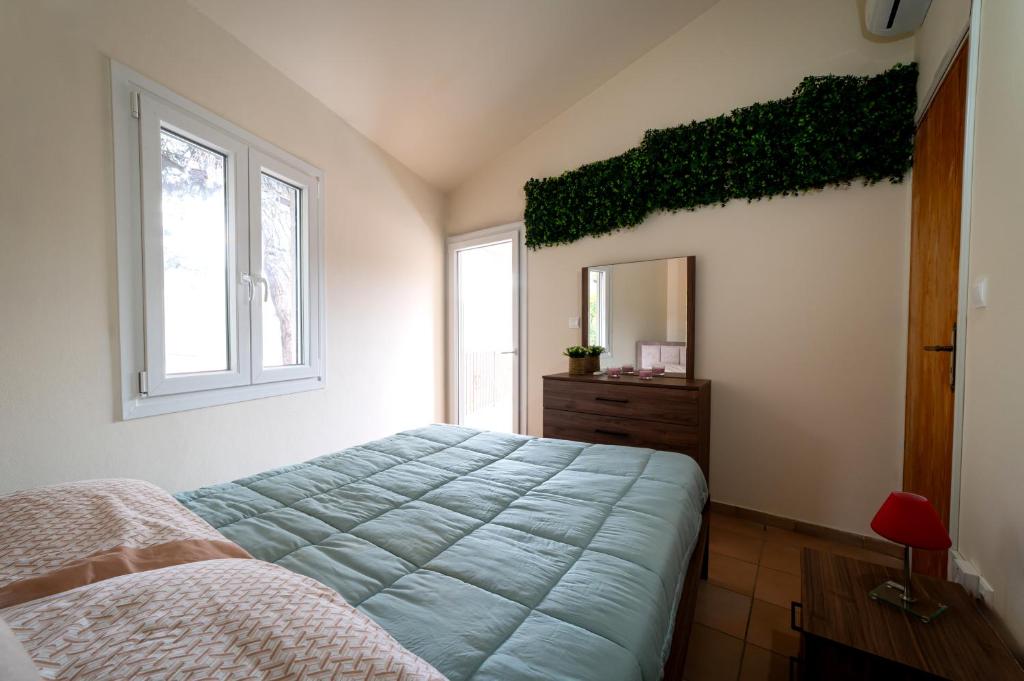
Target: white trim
[
  {"x": 140, "y": 406},
  {"x": 125, "y": 86},
  {"x": 963, "y": 284},
  {"x": 516, "y": 232}
]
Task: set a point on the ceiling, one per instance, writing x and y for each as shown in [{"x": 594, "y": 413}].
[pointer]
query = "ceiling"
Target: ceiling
[{"x": 446, "y": 85}]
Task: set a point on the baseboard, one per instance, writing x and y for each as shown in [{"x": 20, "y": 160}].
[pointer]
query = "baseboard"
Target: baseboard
[{"x": 830, "y": 533}]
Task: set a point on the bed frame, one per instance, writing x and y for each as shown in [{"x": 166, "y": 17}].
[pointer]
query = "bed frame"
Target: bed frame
[{"x": 696, "y": 570}]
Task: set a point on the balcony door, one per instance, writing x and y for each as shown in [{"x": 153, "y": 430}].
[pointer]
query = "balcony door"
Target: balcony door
[{"x": 485, "y": 362}]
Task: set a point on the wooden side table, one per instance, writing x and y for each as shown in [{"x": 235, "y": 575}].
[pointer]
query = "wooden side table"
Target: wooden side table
[{"x": 846, "y": 635}]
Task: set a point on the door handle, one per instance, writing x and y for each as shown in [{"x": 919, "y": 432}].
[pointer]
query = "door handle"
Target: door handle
[
  {"x": 508, "y": 352},
  {"x": 947, "y": 348}
]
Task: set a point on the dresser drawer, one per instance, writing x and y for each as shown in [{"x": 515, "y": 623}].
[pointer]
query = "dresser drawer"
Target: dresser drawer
[
  {"x": 612, "y": 430},
  {"x": 647, "y": 402}
]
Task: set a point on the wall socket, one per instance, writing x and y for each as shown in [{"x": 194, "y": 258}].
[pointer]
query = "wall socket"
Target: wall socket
[{"x": 964, "y": 573}]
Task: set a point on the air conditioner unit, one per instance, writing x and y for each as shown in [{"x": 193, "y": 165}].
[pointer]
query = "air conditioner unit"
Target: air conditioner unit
[{"x": 895, "y": 17}]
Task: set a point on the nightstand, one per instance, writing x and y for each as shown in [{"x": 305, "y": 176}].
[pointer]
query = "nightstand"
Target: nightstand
[{"x": 844, "y": 634}]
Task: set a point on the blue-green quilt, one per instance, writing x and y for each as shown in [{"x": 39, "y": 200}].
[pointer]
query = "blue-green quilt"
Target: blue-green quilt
[{"x": 491, "y": 556}]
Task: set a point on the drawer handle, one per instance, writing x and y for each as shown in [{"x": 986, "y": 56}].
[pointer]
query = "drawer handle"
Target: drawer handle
[
  {"x": 611, "y": 399},
  {"x": 793, "y": 607},
  {"x": 616, "y": 433}
]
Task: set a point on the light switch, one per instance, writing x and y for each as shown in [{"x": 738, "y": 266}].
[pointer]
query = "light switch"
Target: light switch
[
  {"x": 574, "y": 322},
  {"x": 979, "y": 293}
]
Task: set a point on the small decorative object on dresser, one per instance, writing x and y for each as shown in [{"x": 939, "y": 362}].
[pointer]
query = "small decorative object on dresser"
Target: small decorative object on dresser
[
  {"x": 594, "y": 358},
  {"x": 846, "y": 635},
  {"x": 578, "y": 359}
]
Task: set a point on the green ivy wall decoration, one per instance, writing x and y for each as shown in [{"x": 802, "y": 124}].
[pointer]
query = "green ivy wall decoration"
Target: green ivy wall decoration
[{"x": 831, "y": 131}]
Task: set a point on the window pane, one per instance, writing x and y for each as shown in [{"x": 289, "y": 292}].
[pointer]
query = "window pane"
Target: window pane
[
  {"x": 195, "y": 245},
  {"x": 486, "y": 336},
  {"x": 279, "y": 206},
  {"x": 595, "y": 305}
]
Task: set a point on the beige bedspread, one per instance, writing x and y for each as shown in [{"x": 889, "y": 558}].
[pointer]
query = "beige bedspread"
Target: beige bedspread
[
  {"x": 114, "y": 579},
  {"x": 217, "y": 619},
  {"x": 60, "y": 537}
]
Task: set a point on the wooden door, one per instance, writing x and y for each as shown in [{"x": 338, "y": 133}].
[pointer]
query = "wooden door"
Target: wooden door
[{"x": 934, "y": 272}]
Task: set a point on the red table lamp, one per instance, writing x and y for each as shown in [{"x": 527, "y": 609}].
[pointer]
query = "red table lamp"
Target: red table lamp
[{"x": 911, "y": 520}]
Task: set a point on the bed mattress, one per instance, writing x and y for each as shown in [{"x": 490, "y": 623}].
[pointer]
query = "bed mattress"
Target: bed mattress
[{"x": 494, "y": 557}]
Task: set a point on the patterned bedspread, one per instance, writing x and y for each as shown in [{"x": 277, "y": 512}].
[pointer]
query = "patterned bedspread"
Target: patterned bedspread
[
  {"x": 46, "y": 528},
  {"x": 114, "y": 579},
  {"x": 231, "y": 619},
  {"x": 493, "y": 557}
]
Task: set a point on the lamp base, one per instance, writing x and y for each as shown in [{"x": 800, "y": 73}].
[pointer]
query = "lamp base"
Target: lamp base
[{"x": 922, "y": 608}]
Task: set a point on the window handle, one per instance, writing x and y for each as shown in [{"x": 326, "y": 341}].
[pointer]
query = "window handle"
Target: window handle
[
  {"x": 250, "y": 287},
  {"x": 262, "y": 282}
]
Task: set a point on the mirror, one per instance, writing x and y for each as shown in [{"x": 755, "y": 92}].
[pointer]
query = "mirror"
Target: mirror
[{"x": 642, "y": 313}]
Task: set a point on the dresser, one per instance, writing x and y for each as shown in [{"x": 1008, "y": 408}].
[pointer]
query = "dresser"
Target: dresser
[{"x": 666, "y": 413}]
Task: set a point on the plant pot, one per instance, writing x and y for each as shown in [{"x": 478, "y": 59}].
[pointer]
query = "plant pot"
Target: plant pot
[
  {"x": 578, "y": 366},
  {"x": 593, "y": 363}
]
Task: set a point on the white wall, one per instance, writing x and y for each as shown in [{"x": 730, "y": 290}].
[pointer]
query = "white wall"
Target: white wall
[
  {"x": 801, "y": 301},
  {"x": 58, "y": 304},
  {"x": 675, "y": 300},
  {"x": 936, "y": 41},
  {"x": 992, "y": 473},
  {"x": 638, "y": 304}
]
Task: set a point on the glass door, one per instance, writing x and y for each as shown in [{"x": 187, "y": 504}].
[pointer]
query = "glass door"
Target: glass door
[{"x": 484, "y": 305}]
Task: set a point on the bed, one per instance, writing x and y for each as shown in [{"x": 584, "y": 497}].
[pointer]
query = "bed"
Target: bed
[{"x": 491, "y": 556}]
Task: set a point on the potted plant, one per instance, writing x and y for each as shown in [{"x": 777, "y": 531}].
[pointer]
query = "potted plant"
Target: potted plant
[
  {"x": 594, "y": 358},
  {"x": 578, "y": 359}
]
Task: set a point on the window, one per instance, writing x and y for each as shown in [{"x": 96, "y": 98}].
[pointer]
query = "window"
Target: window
[
  {"x": 219, "y": 257},
  {"x": 598, "y": 308}
]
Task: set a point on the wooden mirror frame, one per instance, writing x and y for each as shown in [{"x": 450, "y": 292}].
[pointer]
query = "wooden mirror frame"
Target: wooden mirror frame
[{"x": 691, "y": 317}]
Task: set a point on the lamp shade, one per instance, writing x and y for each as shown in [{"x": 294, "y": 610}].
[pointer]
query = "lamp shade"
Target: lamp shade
[{"x": 910, "y": 519}]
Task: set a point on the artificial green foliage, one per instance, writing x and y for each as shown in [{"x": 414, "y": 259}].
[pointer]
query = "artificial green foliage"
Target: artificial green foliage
[
  {"x": 594, "y": 350},
  {"x": 831, "y": 131},
  {"x": 575, "y": 351}
]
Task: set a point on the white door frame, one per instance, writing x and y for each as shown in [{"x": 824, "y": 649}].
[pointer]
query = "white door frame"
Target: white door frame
[
  {"x": 963, "y": 284},
  {"x": 516, "y": 232}
]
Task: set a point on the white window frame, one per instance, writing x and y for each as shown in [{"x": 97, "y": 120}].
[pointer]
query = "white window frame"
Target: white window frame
[
  {"x": 261, "y": 163},
  {"x": 141, "y": 108},
  {"x": 604, "y": 312}
]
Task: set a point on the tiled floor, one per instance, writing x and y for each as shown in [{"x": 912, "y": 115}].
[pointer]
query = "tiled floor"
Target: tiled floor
[{"x": 741, "y": 630}]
